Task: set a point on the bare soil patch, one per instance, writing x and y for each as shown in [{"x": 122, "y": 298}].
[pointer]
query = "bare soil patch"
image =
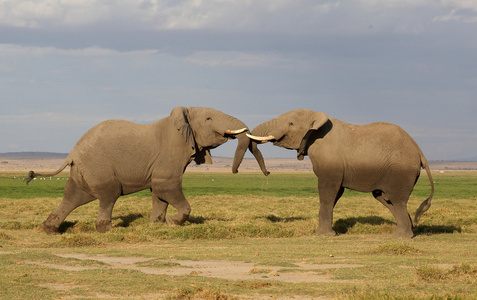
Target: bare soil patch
[{"x": 231, "y": 270}]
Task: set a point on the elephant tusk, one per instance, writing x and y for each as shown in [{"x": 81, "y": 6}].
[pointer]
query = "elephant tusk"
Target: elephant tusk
[
  {"x": 261, "y": 138},
  {"x": 228, "y": 131}
]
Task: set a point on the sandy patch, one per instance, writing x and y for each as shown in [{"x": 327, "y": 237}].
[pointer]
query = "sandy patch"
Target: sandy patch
[{"x": 231, "y": 270}]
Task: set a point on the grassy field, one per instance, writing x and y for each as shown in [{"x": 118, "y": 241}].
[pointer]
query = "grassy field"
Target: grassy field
[{"x": 248, "y": 237}]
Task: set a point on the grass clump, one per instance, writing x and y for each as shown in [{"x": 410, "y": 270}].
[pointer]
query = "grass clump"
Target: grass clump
[
  {"x": 4, "y": 236},
  {"x": 396, "y": 249},
  {"x": 366, "y": 294},
  {"x": 78, "y": 240},
  {"x": 160, "y": 263},
  {"x": 20, "y": 224},
  {"x": 464, "y": 272},
  {"x": 198, "y": 293}
]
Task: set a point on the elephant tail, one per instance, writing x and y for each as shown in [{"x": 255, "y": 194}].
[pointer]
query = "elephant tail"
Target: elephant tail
[
  {"x": 32, "y": 175},
  {"x": 426, "y": 204}
]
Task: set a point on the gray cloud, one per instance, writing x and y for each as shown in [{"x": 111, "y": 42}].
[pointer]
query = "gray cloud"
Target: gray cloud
[{"x": 64, "y": 66}]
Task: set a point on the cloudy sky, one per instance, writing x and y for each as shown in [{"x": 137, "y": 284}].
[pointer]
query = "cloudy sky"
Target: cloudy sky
[{"x": 66, "y": 65}]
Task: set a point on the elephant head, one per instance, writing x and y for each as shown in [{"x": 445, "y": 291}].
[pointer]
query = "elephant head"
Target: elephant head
[
  {"x": 290, "y": 130},
  {"x": 206, "y": 128}
]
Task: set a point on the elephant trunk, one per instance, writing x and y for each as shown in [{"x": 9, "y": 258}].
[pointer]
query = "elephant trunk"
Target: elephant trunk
[
  {"x": 258, "y": 156},
  {"x": 266, "y": 129},
  {"x": 243, "y": 144},
  {"x": 261, "y": 130}
]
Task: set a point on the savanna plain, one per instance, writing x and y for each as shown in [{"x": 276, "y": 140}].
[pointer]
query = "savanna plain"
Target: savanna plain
[{"x": 248, "y": 237}]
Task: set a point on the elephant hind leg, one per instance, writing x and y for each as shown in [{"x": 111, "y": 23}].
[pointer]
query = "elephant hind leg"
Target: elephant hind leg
[
  {"x": 404, "y": 223},
  {"x": 73, "y": 197},
  {"x": 103, "y": 221},
  {"x": 397, "y": 204},
  {"x": 382, "y": 197},
  {"x": 107, "y": 199}
]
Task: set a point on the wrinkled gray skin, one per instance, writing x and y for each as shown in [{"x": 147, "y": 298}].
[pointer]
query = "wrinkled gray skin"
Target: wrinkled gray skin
[
  {"x": 117, "y": 157},
  {"x": 380, "y": 158}
]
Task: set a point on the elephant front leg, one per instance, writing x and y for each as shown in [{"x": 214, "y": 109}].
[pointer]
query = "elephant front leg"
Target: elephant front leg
[
  {"x": 183, "y": 212},
  {"x": 159, "y": 209},
  {"x": 329, "y": 195},
  {"x": 171, "y": 192},
  {"x": 325, "y": 220}
]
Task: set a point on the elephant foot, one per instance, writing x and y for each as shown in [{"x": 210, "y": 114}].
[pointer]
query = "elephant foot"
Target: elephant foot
[
  {"x": 49, "y": 225},
  {"x": 49, "y": 229},
  {"x": 158, "y": 219},
  {"x": 175, "y": 220},
  {"x": 325, "y": 233},
  {"x": 103, "y": 226}
]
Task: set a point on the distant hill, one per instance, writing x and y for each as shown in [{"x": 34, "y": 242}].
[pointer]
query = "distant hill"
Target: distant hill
[
  {"x": 473, "y": 158},
  {"x": 50, "y": 161},
  {"x": 16, "y": 155}
]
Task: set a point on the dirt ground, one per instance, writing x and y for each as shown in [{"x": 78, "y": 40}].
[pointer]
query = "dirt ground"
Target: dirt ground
[{"x": 231, "y": 270}]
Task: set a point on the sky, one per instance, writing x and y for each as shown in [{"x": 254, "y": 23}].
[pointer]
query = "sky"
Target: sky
[{"x": 66, "y": 65}]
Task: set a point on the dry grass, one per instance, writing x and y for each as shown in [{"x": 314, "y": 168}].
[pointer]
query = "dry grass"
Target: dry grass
[{"x": 254, "y": 224}]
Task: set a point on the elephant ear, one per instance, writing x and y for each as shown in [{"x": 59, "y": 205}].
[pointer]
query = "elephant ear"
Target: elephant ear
[
  {"x": 203, "y": 157},
  {"x": 180, "y": 116},
  {"x": 318, "y": 119}
]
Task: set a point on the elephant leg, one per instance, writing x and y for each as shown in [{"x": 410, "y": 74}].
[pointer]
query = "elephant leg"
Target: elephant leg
[
  {"x": 170, "y": 191},
  {"x": 397, "y": 204},
  {"x": 330, "y": 193},
  {"x": 384, "y": 199},
  {"x": 108, "y": 193},
  {"x": 404, "y": 223},
  {"x": 105, "y": 212},
  {"x": 159, "y": 209},
  {"x": 73, "y": 198}
]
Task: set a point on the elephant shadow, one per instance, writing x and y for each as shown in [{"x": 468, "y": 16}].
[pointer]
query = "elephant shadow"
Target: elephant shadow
[
  {"x": 65, "y": 226},
  {"x": 125, "y": 222},
  {"x": 276, "y": 219},
  {"x": 196, "y": 220},
  {"x": 128, "y": 219},
  {"x": 342, "y": 226},
  {"x": 436, "y": 229}
]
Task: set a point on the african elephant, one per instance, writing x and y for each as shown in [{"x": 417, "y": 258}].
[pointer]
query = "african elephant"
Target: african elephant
[
  {"x": 118, "y": 157},
  {"x": 380, "y": 158}
]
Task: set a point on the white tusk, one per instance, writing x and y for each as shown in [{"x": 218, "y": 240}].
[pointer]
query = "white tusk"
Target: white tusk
[
  {"x": 228, "y": 131},
  {"x": 261, "y": 138}
]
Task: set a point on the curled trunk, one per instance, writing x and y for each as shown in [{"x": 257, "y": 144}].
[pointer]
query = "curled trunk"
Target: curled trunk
[
  {"x": 243, "y": 144},
  {"x": 258, "y": 156},
  {"x": 267, "y": 129}
]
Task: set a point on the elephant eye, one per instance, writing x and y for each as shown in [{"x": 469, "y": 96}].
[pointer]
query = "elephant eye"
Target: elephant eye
[
  {"x": 291, "y": 124},
  {"x": 209, "y": 119}
]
